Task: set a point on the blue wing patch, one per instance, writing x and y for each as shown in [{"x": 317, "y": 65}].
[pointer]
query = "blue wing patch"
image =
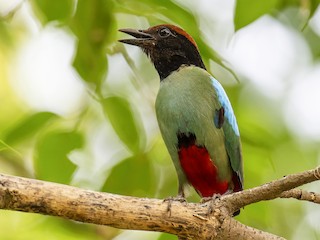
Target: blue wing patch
[{"x": 225, "y": 103}]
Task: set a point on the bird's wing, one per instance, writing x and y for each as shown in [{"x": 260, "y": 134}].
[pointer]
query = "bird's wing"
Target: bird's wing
[{"x": 225, "y": 119}]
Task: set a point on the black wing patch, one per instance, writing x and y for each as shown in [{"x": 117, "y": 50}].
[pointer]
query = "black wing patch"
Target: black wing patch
[
  {"x": 186, "y": 139},
  {"x": 219, "y": 117}
]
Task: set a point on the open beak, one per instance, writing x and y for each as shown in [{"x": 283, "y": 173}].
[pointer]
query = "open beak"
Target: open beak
[{"x": 141, "y": 39}]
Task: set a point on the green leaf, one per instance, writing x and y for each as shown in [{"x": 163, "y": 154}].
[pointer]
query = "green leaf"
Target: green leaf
[
  {"x": 28, "y": 127},
  {"x": 94, "y": 26},
  {"x": 57, "y": 10},
  {"x": 297, "y": 13},
  {"x": 123, "y": 120},
  {"x": 51, "y": 156},
  {"x": 91, "y": 63},
  {"x": 133, "y": 176},
  {"x": 313, "y": 40},
  {"x": 246, "y": 11},
  {"x": 314, "y": 4},
  {"x": 4, "y": 146},
  {"x": 167, "y": 236},
  {"x": 7, "y": 37}
]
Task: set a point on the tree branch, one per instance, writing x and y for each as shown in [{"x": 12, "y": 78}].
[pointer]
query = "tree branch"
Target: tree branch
[
  {"x": 300, "y": 194},
  {"x": 188, "y": 220},
  {"x": 270, "y": 190}
]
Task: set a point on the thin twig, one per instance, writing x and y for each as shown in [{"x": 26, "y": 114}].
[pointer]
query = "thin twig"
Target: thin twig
[
  {"x": 270, "y": 190},
  {"x": 303, "y": 195}
]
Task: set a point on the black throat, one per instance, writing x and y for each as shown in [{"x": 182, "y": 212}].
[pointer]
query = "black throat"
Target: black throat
[
  {"x": 165, "y": 66},
  {"x": 167, "y": 57}
]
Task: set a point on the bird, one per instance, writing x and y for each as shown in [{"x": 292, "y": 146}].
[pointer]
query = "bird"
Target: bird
[{"x": 194, "y": 114}]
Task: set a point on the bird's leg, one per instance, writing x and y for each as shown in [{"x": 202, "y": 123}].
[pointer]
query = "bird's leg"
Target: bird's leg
[
  {"x": 181, "y": 195},
  {"x": 180, "y": 198}
]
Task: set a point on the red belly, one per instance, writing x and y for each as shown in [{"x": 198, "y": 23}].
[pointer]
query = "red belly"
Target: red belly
[{"x": 200, "y": 171}]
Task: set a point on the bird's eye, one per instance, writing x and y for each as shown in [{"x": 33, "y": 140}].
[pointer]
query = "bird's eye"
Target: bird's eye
[{"x": 164, "y": 32}]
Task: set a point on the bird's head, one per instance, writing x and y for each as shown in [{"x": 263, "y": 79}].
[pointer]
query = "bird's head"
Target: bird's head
[{"x": 168, "y": 46}]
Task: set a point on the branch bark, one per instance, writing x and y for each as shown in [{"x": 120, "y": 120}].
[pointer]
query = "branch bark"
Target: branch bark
[
  {"x": 303, "y": 195},
  {"x": 187, "y": 220},
  {"x": 270, "y": 190}
]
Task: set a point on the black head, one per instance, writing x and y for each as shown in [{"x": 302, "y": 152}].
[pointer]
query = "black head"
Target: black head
[{"x": 168, "y": 47}]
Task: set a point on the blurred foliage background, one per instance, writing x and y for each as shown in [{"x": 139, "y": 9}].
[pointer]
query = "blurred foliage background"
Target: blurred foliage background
[{"x": 77, "y": 107}]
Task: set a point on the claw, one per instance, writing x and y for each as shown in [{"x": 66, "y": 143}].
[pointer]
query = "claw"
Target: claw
[
  {"x": 213, "y": 198},
  {"x": 236, "y": 213}
]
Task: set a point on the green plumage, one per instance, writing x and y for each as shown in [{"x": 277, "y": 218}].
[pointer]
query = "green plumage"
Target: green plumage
[
  {"x": 194, "y": 113},
  {"x": 187, "y": 102}
]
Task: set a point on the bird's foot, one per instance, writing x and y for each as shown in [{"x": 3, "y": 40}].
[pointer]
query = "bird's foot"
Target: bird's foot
[
  {"x": 178, "y": 198},
  {"x": 212, "y": 200}
]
